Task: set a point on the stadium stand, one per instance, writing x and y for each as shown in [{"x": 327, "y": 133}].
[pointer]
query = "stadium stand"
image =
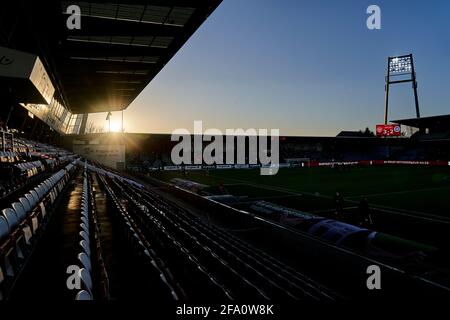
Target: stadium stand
[
  {"x": 150, "y": 152},
  {"x": 223, "y": 268},
  {"x": 175, "y": 256},
  {"x": 72, "y": 228},
  {"x": 24, "y": 221}
]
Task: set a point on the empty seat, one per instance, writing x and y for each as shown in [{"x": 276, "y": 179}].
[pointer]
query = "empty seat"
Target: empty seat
[
  {"x": 39, "y": 190},
  {"x": 4, "y": 228},
  {"x": 35, "y": 194},
  {"x": 47, "y": 185},
  {"x": 83, "y": 295},
  {"x": 31, "y": 199},
  {"x": 85, "y": 261},
  {"x": 85, "y": 245},
  {"x": 85, "y": 221},
  {"x": 85, "y": 278},
  {"x": 11, "y": 217},
  {"x": 25, "y": 204},
  {"x": 20, "y": 211},
  {"x": 84, "y": 235},
  {"x": 84, "y": 228}
]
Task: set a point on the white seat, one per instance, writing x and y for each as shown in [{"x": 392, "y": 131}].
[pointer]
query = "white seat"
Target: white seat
[
  {"x": 85, "y": 278},
  {"x": 85, "y": 214},
  {"x": 85, "y": 261},
  {"x": 84, "y": 235},
  {"x": 35, "y": 195},
  {"x": 83, "y": 295},
  {"x": 4, "y": 228},
  {"x": 25, "y": 204},
  {"x": 11, "y": 217},
  {"x": 20, "y": 211},
  {"x": 85, "y": 221},
  {"x": 84, "y": 228},
  {"x": 48, "y": 182},
  {"x": 39, "y": 191},
  {"x": 31, "y": 199},
  {"x": 85, "y": 245},
  {"x": 42, "y": 190}
]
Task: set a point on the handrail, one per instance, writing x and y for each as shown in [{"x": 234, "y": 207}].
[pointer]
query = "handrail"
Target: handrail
[{"x": 4, "y": 140}]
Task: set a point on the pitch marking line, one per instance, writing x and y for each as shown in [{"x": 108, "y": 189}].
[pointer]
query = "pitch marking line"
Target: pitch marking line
[
  {"x": 409, "y": 213},
  {"x": 398, "y": 192}
]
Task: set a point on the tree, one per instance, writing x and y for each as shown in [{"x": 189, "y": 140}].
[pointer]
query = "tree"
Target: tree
[{"x": 368, "y": 133}]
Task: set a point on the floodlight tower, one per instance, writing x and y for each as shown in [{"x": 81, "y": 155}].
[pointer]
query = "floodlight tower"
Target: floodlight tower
[{"x": 400, "y": 70}]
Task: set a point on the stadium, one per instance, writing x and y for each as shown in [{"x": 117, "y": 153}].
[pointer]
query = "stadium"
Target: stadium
[{"x": 108, "y": 216}]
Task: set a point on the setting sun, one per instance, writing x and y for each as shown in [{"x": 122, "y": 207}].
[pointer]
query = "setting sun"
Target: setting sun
[{"x": 115, "y": 126}]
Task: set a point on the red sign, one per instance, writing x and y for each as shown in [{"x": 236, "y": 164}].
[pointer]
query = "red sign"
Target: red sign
[{"x": 389, "y": 130}]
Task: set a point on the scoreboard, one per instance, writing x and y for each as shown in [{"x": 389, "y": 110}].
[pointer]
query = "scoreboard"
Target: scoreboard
[{"x": 388, "y": 130}]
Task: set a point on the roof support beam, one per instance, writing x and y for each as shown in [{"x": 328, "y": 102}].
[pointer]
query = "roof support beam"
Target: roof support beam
[{"x": 92, "y": 26}]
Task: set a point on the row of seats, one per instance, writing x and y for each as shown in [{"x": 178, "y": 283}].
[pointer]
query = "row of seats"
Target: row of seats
[
  {"x": 29, "y": 169},
  {"x": 212, "y": 278},
  {"x": 10, "y": 181},
  {"x": 52, "y": 162},
  {"x": 90, "y": 258},
  {"x": 23, "y": 223},
  {"x": 295, "y": 284},
  {"x": 9, "y": 157},
  {"x": 21, "y": 149},
  {"x": 67, "y": 157},
  {"x": 142, "y": 248},
  {"x": 14, "y": 176},
  {"x": 207, "y": 245},
  {"x": 29, "y": 147},
  {"x": 84, "y": 257},
  {"x": 176, "y": 253}
]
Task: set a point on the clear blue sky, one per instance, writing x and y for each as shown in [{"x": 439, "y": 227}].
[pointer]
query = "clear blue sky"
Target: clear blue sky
[{"x": 305, "y": 67}]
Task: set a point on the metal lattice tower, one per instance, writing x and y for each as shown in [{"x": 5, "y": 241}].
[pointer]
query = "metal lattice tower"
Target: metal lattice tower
[{"x": 400, "y": 70}]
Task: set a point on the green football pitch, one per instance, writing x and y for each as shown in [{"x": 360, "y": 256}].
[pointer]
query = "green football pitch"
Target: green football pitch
[{"x": 418, "y": 190}]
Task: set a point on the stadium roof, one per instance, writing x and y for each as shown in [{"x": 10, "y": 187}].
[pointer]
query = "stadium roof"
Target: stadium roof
[
  {"x": 434, "y": 123},
  {"x": 351, "y": 134},
  {"x": 120, "y": 48}
]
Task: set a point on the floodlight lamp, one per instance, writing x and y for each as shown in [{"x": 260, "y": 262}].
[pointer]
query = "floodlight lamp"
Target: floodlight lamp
[{"x": 398, "y": 65}]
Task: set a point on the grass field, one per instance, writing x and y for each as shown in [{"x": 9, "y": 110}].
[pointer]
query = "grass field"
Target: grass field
[{"x": 421, "y": 190}]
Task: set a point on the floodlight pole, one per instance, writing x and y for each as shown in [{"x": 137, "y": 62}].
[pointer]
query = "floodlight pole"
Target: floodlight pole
[
  {"x": 389, "y": 82},
  {"x": 414, "y": 82},
  {"x": 386, "y": 98},
  {"x": 108, "y": 118}
]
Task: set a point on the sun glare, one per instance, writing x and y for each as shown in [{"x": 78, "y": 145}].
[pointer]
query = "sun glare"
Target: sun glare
[{"x": 115, "y": 126}]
